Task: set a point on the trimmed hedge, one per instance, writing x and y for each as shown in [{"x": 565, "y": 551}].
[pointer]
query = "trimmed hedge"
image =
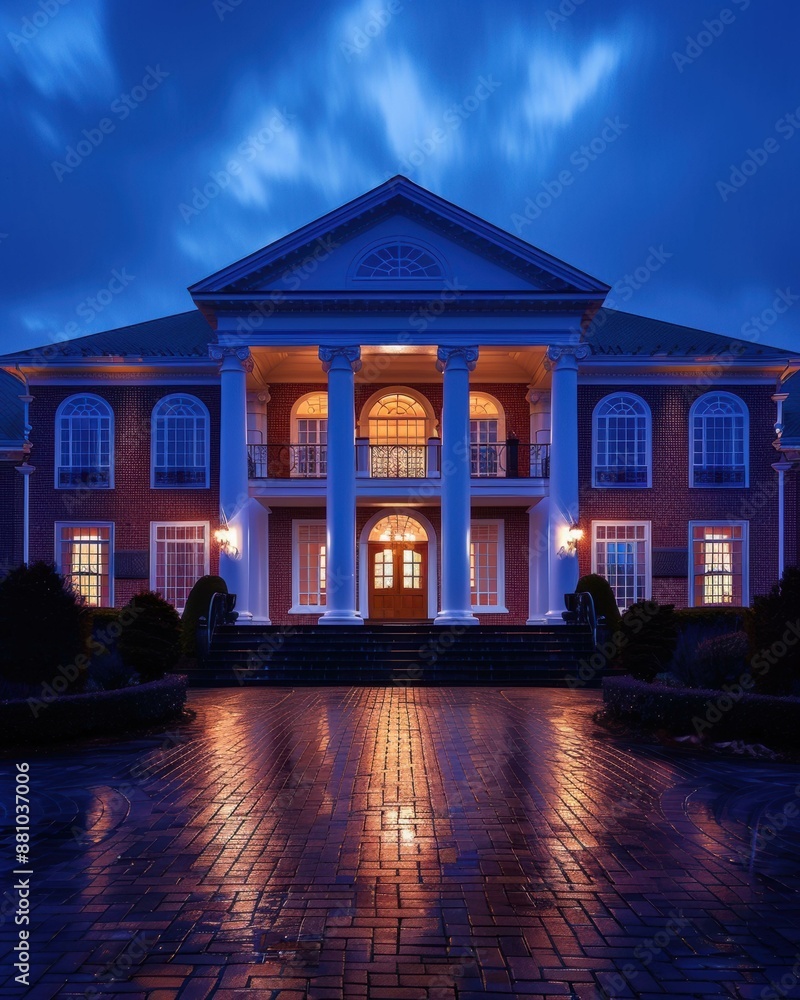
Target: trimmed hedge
[
  {"x": 732, "y": 618},
  {"x": 34, "y": 720},
  {"x": 714, "y": 715}
]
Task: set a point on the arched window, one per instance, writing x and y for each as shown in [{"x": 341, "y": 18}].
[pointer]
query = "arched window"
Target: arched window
[
  {"x": 621, "y": 441},
  {"x": 399, "y": 259},
  {"x": 718, "y": 443},
  {"x": 398, "y": 428},
  {"x": 309, "y": 445},
  {"x": 487, "y": 436},
  {"x": 85, "y": 443},
  {"x": 180, "y": 443}
]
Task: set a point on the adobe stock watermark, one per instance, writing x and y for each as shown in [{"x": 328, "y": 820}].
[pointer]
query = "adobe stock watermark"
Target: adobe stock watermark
[
  {"x": 33, "y": 23},
  {"x": 625, "y": 288},
  {"x": 646, "y": 952},
  {"x": 697, "y": 44},
  {"x": 452, "y": 120},
  {"x": 247, "y": 151},
  {"x": 92, "y": 305},
  {"x": 224, "y": 7},
  {"x": 755, "y": 159},
  {"x": 380, "y": 17},
  {"x": 581, "y": 158},
  {"x": 563, "y": 12},
  {"x": 121, "y": 107}
]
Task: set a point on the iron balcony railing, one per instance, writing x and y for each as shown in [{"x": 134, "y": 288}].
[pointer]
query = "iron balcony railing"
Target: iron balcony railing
[{"x": 510, "y": 460}]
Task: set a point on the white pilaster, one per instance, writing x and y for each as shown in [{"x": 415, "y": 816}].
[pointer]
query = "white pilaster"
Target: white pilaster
[
  {"x": 538, "y": 562},
  {"x": 234, "y": 566},
  {"x": 562, "y": 362},
  {"x": 456, "y": 363},
  {"x": 341, "y": 363}
]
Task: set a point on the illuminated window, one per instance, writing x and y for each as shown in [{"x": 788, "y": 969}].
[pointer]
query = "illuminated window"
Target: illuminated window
[
  {"x": 412, "y": 570},
  {"x": 178, "y": 558},
  {"x": 84, "y": 444},
  {"x": 310, "y": 566},
  {"x": 719, "y": 564},
  {"x": 384, "y": 569},
  {"x": 83, "y": 557},
  {"x": 399, "y": 259},
  {"x": 309, "y": 446},
  {"x": 398, "y": 528},
  {"x": 180, "y": 450},
  {"x": 398, "y": 435},
  {"x": 486, "y": 436},
  {"x": 487, "y": 566},
  {"x": 621, "y": 553},
  {"x": 719, "y": 431},
  {"x": 621, "y": 430}
]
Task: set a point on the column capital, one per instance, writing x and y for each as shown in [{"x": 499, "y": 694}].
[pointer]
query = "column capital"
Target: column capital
[
  {"x": 222, "y": 354},
  {"x": 538, "y": 396},
  {"x": 456, "y": 357},
  {"x": 565, "y": 356},
  {"x": 340, "y": 357}
]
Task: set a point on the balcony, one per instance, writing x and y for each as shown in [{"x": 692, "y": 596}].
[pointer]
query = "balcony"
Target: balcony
[{"x": 393, "y": 461}]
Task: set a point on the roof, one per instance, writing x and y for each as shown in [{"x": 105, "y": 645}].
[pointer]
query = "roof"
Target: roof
[
  {"x": 185, "y": 335},
  {"x": 620, "y": 334},
  {"x": 12, "y": 424}
]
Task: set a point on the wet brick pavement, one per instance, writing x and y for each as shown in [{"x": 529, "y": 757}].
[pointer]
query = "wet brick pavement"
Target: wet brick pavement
[{"x": 404, "y": 843}]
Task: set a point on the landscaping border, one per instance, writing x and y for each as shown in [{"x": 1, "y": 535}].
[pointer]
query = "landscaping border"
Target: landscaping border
[
  {"x": 35, "y": 720},
  {"x": 715, "y": 715}
]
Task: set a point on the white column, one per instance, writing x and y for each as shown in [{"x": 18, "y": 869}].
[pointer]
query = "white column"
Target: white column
[
  {"x": 538, "y": 562},
  {"x": 562, "y": 362},
  {"x": 234, "y": 492},
  {"x": 781, "y": 468},
  {"x": 341, "y": 363},
  {"x": 456, "y": 363}
]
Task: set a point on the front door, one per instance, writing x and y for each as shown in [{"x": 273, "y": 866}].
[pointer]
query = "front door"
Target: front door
[{"x": 398, "y": 580}]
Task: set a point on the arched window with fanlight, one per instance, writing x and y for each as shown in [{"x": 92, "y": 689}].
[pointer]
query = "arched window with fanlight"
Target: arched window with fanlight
[
  {"x": 180, "y": 443},
  {"x": 399, "y": 258},
  {"x": 487, "y": 436},
  {"x": 621, "y": 445},
  {"x": 719, "y": 432},
  {"x": 309, "y": 447},
  {"x": 398, "y": 426},
  {"x": 84, "y": 443}
]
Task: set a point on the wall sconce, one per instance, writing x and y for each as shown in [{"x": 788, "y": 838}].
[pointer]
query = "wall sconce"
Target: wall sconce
[
  {"x": 574, "y": 535},
  {"x": 224, "y": 539}
]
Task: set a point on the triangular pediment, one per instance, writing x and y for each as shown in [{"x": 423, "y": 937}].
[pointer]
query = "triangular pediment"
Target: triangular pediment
[{"x": 398, "y": 238}]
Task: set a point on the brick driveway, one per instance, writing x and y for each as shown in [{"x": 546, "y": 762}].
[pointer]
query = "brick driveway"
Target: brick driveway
[{"x": 407, "y": 843}]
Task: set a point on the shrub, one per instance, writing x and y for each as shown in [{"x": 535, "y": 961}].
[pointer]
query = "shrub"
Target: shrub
[
  {"x": 693, "y": 632},
  {"x": 44, "y": 628},
  {"x": 721, "y": 659},
  {"x": 196, "y": 608},
  {"x": 648, "y": 634},
  {"x": 717, "y": 619},
  {"x": 107, "y": 671},
  {"x": 774, "y": 630},
  {"x": 150, "y": 642},
  {"x": 605, "y": 604}
]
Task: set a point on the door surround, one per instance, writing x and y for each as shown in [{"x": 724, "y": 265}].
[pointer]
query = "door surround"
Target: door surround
[{"x": 363, "y": 558}]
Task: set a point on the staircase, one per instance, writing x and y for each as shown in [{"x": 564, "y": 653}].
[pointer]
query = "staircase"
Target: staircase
[{"x": 394, "y": 654}]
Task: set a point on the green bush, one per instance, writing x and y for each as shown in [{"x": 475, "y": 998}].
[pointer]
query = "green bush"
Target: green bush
[
  {"x": 196, "y": 608},
  {"x": 648, "y": 634},
  {"x": 721, "y": 659},
  {"x": 774, "y": 629},
  {"x": 693, "y": 632},
  {"x": 44, "y": 628},
  {"x": 605, "y": 604},
  {"x": 150, "y": 643},
  {"x": 107, "y": 672},
  {"x": 717, "y": 619}
]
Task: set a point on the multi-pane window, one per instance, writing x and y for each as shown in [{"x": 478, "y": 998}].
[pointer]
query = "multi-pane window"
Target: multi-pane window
[
  {"x": 83, "y": 557},
  {"x": 719, "y": 564},
  {"x": 398, "y": 436},
  {"x": 84, "y": 443},
  {"x": 311, "y": 556},
  {"x": 486, "y": 450},
  {"x": 622, "y": 441},
  {"x": 486, "y": 566},
  {"x": 310, "y": 444},
  {"x": 178, "y": 558},
  {"x": 719, "y": 440},
  {"x": 399, "y": 260},
  {"x": 621, "y": 553},
  {"x": 180, "y": 442}
]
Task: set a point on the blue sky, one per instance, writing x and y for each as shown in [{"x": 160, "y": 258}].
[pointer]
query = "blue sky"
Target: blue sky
[{"x": 598, "y": 131}]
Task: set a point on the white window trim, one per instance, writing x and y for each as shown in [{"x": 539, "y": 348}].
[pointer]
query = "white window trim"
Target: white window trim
[
  {"x": 745, "y": 526},
  {"x": 57, "y": 452},
  {"x": 745, "y": 449},
  {"x": 648, "y": 550},
  {"x": 499, "y": 608},
  {"x": 155, "y": 525},
  {"x": 297, "y": 608},
  {"x": 207, "y": 456},
  {"x": 88, "y": 524},
  {"x": 648, "y": 445}
]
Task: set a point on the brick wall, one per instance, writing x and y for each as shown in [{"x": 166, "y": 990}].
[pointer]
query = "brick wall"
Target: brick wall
[
  {"x": 10, "y": 516},
  {"x": 670, "y": 504},
  {"x": 131, "y": 504}
]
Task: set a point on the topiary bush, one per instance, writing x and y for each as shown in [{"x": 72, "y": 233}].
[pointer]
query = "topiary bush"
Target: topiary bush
[
  {"x": 150, "y": 643},
  {"x": 196, "y": 608},
  {"x": 44, "y": 628},
  {"x": 605, "y": 604},
  {"x": 721, "y": 659},
  {"x": 648, "y": 634},
  {"x": 773, "y": 628}
]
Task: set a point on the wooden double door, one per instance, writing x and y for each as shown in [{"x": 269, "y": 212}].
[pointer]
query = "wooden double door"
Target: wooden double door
[{"x": 398, "y": 580}]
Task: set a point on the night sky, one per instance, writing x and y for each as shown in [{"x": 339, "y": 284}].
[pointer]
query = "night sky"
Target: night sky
[{"x": 598, "y": 131}]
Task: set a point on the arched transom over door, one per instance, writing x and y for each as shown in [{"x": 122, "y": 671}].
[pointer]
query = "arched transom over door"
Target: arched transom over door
[{"x": 398, "y": 569}]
